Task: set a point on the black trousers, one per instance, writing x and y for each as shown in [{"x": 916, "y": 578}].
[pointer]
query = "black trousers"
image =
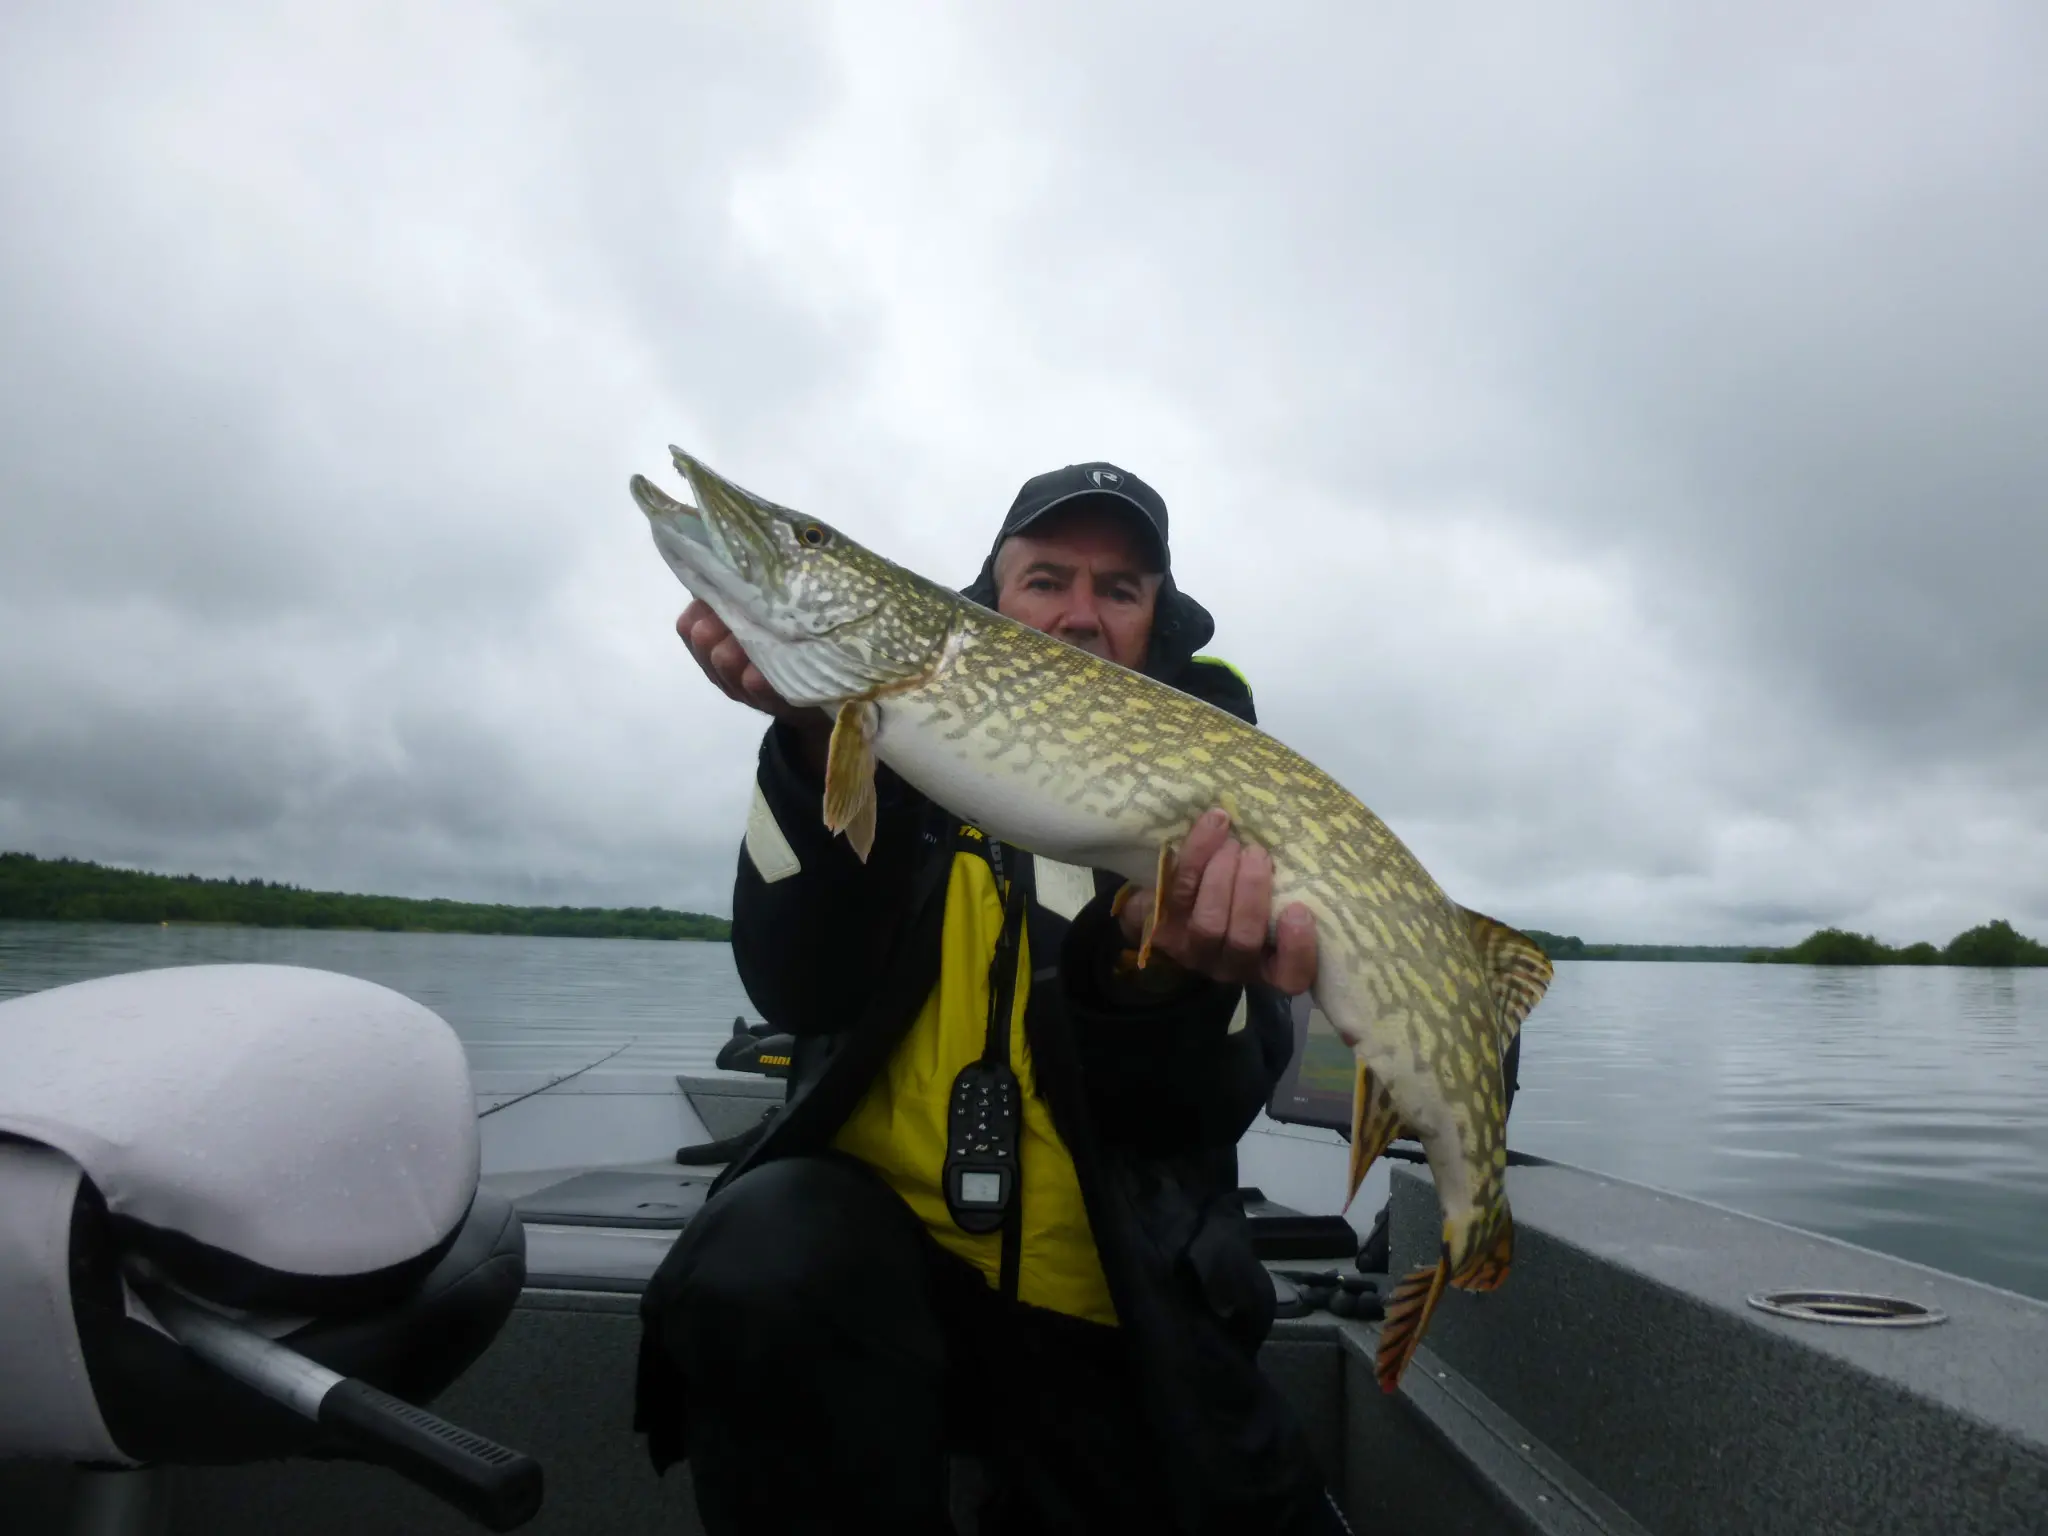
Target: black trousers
[{"x": 834, "y": 1358}]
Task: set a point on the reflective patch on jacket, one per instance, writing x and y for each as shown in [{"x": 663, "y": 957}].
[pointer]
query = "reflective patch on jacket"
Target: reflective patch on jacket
[
  {"x": 766, "y": 845},
  {"x": 1063, "y": 889},
  {"x": 899, "y": 1127}
]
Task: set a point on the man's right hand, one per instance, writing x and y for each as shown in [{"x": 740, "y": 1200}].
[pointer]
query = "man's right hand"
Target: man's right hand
[
  {"x": 718, "y": 651},
  {"x": 725, "y": 661}
]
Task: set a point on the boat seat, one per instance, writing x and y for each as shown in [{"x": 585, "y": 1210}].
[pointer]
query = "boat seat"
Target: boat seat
[
  {"x": 289, "y": 1149},
  {"x": 160, "y": 1404}
]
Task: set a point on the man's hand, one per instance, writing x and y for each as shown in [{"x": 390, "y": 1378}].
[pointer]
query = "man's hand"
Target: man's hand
[
  {"x": 1218, "y": 901},
  {"x": 725, "y": 661}
]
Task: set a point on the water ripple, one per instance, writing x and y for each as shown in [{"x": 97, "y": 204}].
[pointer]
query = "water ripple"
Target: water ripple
[{"x": 1901, "y": 1109}]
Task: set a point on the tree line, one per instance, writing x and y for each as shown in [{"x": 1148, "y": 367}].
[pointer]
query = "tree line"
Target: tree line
[
  {"x": 1560, "y": 946},
  {"x": 78, "y": 891},
  {"x": 1996, "y": 943}
]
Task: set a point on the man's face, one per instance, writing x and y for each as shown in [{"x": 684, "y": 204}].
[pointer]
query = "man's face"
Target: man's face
[{"x": 1081, "y": 575}]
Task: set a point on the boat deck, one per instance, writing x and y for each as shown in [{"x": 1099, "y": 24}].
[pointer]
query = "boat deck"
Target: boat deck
[{"x": 1622, "y": 1381}]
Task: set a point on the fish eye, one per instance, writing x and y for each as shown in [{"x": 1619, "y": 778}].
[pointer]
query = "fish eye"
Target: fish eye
[{"x": 815, "y": 535}]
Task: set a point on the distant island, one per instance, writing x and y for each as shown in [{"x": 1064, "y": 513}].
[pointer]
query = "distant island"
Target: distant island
[
  {"x": 1996, "y": 943},
  {"x": 76, "y": 891}
]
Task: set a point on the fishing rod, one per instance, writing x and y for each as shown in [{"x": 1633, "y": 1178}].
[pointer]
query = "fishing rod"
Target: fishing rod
[
  {"x": 544, "y": 1087},
  {"x": 1407, "y": 1154}
]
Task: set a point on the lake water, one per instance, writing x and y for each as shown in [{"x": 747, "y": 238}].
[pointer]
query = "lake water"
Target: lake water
[{"x": 1904, "y": 1109}]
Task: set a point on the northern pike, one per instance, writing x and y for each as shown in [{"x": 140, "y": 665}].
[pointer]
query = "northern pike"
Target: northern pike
[{"x": 1070, "y": 756}]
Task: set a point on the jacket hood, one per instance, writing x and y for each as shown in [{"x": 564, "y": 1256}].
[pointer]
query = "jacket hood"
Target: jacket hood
[{"x": 1180, "y": 625}]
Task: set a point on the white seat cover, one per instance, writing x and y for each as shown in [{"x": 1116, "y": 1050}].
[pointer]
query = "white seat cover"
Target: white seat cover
[{"x": 312, "y": 1124}]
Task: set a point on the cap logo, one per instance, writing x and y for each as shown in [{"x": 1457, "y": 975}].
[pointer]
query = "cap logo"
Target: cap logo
[{"x": 1105, "y": 477}]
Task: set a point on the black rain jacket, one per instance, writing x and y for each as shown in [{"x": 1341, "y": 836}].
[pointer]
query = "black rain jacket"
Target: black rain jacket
[{"x": 1151, "y": 1100}]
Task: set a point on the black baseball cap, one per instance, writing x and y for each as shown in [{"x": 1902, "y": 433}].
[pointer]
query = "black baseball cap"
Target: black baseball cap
[{"x": 1097, "y": 481}]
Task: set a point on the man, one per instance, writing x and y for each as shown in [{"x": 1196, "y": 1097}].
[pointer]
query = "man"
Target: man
[{"x": 858, "y": 1301}]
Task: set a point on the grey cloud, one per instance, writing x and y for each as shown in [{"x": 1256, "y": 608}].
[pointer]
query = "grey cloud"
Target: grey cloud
[
  {"x": 332, "y": 346},
  {"x": 493, "y": 770},
  {"x": 1753, "y": 297},
  {"x": 266, "y": 366},
  {"x": 1613, "y": 443}
]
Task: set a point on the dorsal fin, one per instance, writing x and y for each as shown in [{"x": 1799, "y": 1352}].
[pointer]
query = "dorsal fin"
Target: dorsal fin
[{"x": 1516, "y": 965}]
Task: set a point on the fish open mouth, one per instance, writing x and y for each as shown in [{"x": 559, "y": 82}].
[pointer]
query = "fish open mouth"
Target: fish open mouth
[
  {"x": 724, "y": 540},
  {"x": 665, "y": 512},
  {"x": 694, "y": 546}
]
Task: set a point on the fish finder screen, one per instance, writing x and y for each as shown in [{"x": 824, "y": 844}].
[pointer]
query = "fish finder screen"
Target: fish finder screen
[{"x": 1316, "y": 1087}]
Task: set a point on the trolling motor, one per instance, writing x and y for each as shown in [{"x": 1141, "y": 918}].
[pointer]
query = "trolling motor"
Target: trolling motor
[
  {"x": 756, "y": 1048},
  {"x": 240, "y": 1221}
]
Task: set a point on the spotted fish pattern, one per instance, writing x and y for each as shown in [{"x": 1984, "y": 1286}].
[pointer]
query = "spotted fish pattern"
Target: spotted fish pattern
[{"x": 1059, "y": 751}]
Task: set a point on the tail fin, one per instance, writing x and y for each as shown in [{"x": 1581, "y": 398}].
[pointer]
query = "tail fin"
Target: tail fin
[
  {"x": 1408, "y": 1311},
  {"x": 1488, "y": 1267},
  {"x": 1415, "y": 1299}
]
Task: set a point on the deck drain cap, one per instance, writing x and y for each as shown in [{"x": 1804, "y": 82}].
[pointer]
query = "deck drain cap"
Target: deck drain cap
[{"x": 1860, "y": 1308}]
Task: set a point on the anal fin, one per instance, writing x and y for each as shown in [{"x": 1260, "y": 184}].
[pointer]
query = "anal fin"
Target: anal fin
[
  {"x": 1407, "y": 1315},
  {"x": 1374, "y": 1124},
  {"x": 850, "y": 776}
]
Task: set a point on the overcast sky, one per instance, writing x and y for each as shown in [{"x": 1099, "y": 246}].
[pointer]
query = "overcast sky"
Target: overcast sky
[{"x": 1613, "y": 440}]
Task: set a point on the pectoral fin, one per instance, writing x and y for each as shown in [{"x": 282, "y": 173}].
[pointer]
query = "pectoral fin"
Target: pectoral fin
[
  {"x": 1374, "y": 1123},
  {"x": 1158, "y": 899},
  {"x": 850, "y": 776}
]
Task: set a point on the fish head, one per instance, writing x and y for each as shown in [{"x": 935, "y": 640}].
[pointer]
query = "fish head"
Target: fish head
[{"x": 825, "y": 619}]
